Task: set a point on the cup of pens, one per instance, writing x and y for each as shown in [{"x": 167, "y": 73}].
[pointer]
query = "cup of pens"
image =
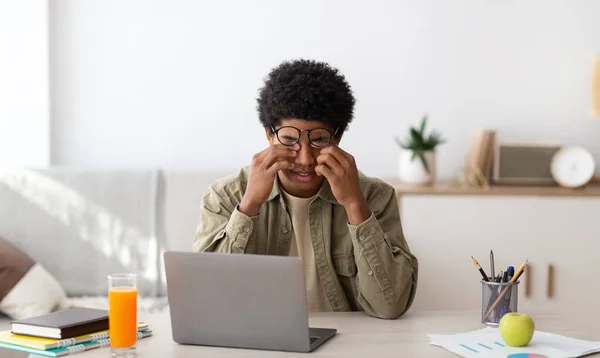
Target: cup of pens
[
  {"x": 497, "y": 299},
  {"x": 499, "y": 294}
]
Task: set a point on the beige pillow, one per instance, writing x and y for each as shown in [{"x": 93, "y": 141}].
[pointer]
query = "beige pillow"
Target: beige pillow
[{"x": 26, "y": 288}]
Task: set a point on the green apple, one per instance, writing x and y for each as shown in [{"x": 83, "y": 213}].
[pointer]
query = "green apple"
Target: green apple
[{"x": 516, "y": 329}]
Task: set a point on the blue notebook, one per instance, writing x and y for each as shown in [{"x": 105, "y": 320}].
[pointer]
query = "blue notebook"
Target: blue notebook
[{"x": 65, "y": 351}]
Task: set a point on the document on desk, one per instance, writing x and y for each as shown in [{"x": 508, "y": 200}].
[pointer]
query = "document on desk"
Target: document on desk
[{"x": 487, "y": 342}]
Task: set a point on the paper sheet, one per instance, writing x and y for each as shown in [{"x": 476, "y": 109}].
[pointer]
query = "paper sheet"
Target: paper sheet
[{"x": 487, "y": 342}]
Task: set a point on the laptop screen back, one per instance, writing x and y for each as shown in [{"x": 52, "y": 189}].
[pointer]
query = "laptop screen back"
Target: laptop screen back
[{"x": 233, "y": 300}]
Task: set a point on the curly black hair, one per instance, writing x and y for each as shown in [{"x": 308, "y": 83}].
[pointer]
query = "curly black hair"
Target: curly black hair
[{"x": 308, "y": 90}]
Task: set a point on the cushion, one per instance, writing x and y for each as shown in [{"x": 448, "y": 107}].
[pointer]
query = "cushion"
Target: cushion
[
  {"x": 26, "y": 288},
  {"x": 14, "y": 264}
]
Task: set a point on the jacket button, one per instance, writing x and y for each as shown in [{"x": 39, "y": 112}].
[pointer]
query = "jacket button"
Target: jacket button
[
  {"x": 370, "y": 273},
  {"x": 285, "y": 230},
  {"x": 361, "y": 238}
]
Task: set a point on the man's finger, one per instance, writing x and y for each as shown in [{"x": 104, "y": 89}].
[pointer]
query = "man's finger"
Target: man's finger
[
  {"x": 277, "y": 155},
  {"x": 325, "y": 171},
  {"x": 260, "y": 156},
  {"x": 332, "y": 163},
  {"x": 342, "y": 157},
  {"x": 295, "y": 147},
  {"x": 279, "y": 166}
]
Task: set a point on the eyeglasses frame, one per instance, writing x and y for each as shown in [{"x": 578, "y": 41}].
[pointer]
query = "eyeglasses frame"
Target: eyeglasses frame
[{"x": 308, "y": 131}]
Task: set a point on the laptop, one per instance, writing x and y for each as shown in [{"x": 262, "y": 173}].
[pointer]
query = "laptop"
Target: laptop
[{"x": 241, "y": 301}]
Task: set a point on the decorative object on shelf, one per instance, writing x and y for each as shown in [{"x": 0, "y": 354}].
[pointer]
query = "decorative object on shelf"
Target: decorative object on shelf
[
  {"x": 478, "y": 164},
  {"x": 470, "y": 178},
  {"x": 573, "y": 166},
  {"x": 417, "y": 157},
  {"x": 524, "y": 163},
  {"x": 596, "y": 89}
]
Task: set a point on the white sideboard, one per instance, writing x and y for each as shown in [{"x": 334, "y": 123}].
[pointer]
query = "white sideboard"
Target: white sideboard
[{"x": 551, "y": 227}]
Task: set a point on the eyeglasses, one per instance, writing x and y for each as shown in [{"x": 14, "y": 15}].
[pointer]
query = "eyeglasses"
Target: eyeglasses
[{"x": 318, "y": 137}]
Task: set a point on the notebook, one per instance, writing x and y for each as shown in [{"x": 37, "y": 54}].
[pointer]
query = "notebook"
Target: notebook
[
  {"x": 49, "y": 343},
  {"x": 63, "y": 324},
  {"x": 65, "y": 351}
]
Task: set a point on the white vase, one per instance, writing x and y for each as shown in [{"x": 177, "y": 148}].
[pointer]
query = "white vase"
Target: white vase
[{"x": 412, "y": 171}]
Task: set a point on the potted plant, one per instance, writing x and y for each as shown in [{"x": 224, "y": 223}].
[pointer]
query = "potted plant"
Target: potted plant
[{"x": 416, "y": 162}]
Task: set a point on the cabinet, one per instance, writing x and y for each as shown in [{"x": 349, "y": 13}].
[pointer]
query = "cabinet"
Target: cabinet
[{"x": 556, "y": 227}]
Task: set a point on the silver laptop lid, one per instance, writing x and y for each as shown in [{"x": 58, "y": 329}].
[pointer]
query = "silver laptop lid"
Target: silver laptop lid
[{"x": 237, "y": 300}]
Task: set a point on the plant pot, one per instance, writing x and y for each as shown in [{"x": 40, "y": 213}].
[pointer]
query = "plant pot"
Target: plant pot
[{"x": 412, "y": 171}]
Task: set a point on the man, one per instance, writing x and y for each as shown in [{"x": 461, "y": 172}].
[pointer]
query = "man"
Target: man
[{"x": 304, "y": 196}]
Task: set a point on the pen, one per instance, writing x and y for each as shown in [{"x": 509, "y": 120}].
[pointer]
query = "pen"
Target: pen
[
  {"x": 515, "y": 278},
  {"x": 511, "y": 273},
  {"x": 485, "y": 277},
  {"x": 492, "y": 263}
]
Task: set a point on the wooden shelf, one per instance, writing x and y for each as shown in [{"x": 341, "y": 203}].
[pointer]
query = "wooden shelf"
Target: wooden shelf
[{"x": 454, "y": 188}]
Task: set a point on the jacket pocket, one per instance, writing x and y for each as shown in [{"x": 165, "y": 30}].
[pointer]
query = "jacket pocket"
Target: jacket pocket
[
  {"x": 344, "y": 265},
  {"x": 346, "y": 270}
]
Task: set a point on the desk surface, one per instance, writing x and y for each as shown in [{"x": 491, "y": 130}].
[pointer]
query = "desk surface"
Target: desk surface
[{"x": 359, "y": 335}]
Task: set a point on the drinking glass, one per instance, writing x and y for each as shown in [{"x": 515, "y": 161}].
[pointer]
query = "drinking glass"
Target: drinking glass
[{"x": 122, "y": 314}]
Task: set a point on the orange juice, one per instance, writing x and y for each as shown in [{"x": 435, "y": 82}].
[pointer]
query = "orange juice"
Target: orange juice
[{"x": 122, "y": 316}]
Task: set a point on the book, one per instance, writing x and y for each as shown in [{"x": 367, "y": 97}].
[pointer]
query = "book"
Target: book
[
  {"x": 65, "y": 351},
  {"x": 43, "y": 344},
  {"x": 63, "y": 324},
  {"x": 478, "y": 166}
]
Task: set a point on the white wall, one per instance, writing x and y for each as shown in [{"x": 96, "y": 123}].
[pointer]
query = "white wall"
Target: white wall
[
  {"x": 155, "y": 83},
  {"x": 24, "y": 99}
]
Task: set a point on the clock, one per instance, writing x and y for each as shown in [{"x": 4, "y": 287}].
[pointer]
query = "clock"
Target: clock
[{"x": 572, "y": 166}]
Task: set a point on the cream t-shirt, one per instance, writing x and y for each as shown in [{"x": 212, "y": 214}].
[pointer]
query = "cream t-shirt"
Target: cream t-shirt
[{"x": 301, "y": 246}]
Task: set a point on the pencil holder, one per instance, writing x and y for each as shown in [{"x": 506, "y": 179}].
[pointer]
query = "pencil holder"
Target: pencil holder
[{"x": 497, "y": 299}]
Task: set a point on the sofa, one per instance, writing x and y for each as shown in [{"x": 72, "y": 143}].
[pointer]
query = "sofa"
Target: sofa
[{"x": 79, "y": 225}]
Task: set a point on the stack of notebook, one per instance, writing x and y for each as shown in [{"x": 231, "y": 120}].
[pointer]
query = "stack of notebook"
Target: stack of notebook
[{"x": 62, "y": 333}]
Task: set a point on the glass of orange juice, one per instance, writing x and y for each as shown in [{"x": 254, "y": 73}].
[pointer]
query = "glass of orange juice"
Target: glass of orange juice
[{"x": 122, "y": 314}]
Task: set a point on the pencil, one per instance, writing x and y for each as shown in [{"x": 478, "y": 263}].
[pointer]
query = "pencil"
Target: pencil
[
  {"x": 514, "y": 279},
  {"x": 485, "y": 277},
  {"x": 519, "y": 272}
]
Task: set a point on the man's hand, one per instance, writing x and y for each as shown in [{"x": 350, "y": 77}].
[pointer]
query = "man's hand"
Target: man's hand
[
  {"x": 263, "y": 171},
  {"x": 340, "y": 170}
]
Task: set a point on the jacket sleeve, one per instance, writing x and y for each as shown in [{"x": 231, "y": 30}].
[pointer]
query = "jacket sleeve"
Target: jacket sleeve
[
  {"x": 222, "y": 227},
  {"x": 387, "y": 270}
]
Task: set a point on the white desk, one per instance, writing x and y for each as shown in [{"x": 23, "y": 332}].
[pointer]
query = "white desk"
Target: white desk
[{"x": 360, "y": 335}]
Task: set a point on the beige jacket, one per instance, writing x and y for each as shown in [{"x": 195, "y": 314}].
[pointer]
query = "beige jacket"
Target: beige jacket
[{"x": 367, "y": 267}]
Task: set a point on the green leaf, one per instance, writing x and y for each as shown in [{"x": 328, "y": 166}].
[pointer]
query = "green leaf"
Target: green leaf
[
  {"x": 433, "y": 140},
  {"x": 416, "y": 138},
  {"x": 423, "y": 124},
  {"x": 422, "y": 157}
]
